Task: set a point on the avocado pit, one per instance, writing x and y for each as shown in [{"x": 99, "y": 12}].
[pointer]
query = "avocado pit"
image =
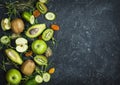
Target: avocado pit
[{"x": 34, "y": 31}]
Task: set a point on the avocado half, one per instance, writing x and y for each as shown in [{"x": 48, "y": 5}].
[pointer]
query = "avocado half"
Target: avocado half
[{"x": 35, "y": 30}]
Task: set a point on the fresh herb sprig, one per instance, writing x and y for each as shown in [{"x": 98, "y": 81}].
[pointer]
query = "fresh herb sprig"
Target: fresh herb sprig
[{"x": 16, "y": 7}]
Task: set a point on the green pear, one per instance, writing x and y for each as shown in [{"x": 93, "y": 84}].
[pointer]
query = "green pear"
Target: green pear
[{"x": 13, "y": 56}]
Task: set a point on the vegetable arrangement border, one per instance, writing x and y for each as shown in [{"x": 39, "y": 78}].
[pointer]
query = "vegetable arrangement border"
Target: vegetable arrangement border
[{"x": 24, "y": 45}]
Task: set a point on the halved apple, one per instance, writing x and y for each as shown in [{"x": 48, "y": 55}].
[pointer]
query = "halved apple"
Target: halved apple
[
  {"x": 21, "y": 44},
  {"x": 5, "y": 24}
]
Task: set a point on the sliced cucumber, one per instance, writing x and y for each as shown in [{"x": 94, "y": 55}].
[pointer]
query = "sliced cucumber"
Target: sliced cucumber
[
  {"x": 43, "y": 1},
  {"x": 47, "y": 34},
  {"x": 5, "y": 40},
  {"x": 38, "y": 79},
  {"x": 50, "y": 16},
  {"x": 46, "y": 77},
  {"x": 28, "y": 17}
]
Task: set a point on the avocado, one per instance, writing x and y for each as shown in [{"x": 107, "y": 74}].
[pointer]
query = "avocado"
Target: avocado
[{"x": 35, "y": 30}]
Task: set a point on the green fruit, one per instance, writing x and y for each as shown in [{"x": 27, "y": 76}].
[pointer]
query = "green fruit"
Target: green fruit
[
  {"x": 31, "y": 82},
  {"x": 5, "y": 40},
  {"x": 40, "y": 60},
  {"x": 21, "y": 44},
  {"x": 41, "y": 7},
  {"x": 13, "y": 56},
  {"x": 35, "y": 30},
  {"x": 5, "y": 24},
  {"x": 47, "y": 34},
  {"x": 13, "y": 76},
  {"x": 39, "y": 46}
]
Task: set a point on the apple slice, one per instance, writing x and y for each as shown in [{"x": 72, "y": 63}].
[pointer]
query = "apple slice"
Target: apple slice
[
  {"x": 5, "y": 24},
  {"x": 21, "y": 48},
  {"x": 20, "y": 41},
  {"x": 21, "y": 44}
]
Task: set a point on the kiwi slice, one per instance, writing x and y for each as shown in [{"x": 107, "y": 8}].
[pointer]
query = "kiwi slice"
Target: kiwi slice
[
  {"x": 40, "y": 60},
  {"x": 47, "y": 34}
]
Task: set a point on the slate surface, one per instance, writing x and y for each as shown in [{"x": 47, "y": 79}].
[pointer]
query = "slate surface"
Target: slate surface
[{"x": 88, "y": 50}]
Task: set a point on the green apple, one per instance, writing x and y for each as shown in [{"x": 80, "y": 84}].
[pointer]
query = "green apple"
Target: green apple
[
  {"x": 13, "y": 76},
  {"x": 39, "y": 46}
]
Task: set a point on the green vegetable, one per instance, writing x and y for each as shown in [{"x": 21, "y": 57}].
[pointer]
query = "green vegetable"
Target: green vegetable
[
  {"x": 38, "y": 79},
  {"x": 5, "y": 24},
  {"x": 5, "y": 40},
  {"x": 46, "y": 77},
  {"x": 35, "y": 30},
  {"x": 13, "y": 56},
  {"x": 47, "y": 34},
  {"x": 50, "y": 16},
  {"x": 40, "y": 60},
  {"x": 41, "y": 7},
  {"x": 28, "y": 17},
  {"x": 14, "y": 8}
]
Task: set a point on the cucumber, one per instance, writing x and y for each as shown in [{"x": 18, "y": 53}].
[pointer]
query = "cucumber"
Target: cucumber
[
  {"x": 5, "y": 40},
  {"x": 50, "y": 16},
  {"x": 28, "y": 17},
  {"x": 46, "y": 77},
  {"x": 47, "y": 34},
  {"x": 38, "y": 79}
]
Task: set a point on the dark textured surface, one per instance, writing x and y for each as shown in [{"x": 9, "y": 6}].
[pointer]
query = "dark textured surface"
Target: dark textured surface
[{"x": 88, "y": 50}]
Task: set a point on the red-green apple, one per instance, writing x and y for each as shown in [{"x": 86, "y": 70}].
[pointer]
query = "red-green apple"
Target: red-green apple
[
  {"x": 13, "y": 76},
  {"x": 39, "y": 46}
]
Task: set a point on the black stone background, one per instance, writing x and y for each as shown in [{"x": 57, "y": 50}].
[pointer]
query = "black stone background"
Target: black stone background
[{"x": 88, "y": 50}]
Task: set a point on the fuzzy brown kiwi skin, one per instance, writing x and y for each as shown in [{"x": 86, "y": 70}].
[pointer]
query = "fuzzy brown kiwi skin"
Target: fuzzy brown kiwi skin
[
  {"x": 17, "y": 25},
  {"x": 28, "y": 67}
]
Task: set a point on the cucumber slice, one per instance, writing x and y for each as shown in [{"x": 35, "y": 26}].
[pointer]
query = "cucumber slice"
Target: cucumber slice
[
  {"x": 5, "y": 40},
  {"x": 46, "y": 77},
  {"x": 47, "y": 34},
  {"x": 43, "y": 1},
  {"x": 38, "y": 79},
  {"x": 50, "y": 16}
]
